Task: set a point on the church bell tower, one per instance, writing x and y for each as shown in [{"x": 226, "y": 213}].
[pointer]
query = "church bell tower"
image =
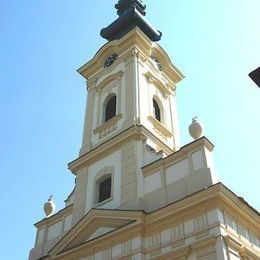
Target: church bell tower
[
  {"x": 131, "y": 116},
  {"x": 131, "y": 83},
  {"x": 138, "y": 194}
]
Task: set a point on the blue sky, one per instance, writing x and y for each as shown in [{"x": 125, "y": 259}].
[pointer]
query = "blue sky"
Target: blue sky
[{"x": 214, "y": 43}]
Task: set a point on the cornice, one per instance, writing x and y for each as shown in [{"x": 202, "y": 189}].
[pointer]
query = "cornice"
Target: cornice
[
  {"x": 114, "y": 143},
  {"x": 237, "y": 245},
  {"x": 109, "y": 145},
  {"x": 100, "y": 217},
  {"x": 133, "y": 42},
  {"x": 215, "y": 196},
  {"x": 108, "y": 123},
  {"x": 233, "y": 205},
  {"x": 147, "y": 224}
]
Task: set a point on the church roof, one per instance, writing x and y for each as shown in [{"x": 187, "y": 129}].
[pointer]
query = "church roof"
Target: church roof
[{"x": 131, "y": 14}]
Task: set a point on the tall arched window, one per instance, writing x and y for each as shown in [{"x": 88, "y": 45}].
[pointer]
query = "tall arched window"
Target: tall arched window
[
  {"x": 110, "y": 108},
  {"x": 156, "y": 111}
]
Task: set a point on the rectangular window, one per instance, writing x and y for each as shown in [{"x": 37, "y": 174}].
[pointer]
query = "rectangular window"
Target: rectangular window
[{"x": 104, "y": 189}]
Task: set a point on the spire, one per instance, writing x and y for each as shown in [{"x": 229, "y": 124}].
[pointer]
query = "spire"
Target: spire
[{"x": 131, "y": 14}]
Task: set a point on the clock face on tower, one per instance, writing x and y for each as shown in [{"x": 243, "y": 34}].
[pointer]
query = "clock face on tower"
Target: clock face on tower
[{"x": 110, "y": 60}]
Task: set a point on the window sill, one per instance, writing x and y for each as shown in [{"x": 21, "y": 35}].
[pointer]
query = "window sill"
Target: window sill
[
  {"x": 108, "y": 126},
  {"x": 159, "y": 127},
  {"x": 97, "y": 205}
]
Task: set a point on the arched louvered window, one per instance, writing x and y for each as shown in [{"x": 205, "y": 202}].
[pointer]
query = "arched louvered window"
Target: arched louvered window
[
  {"x": 110, "y": 107},
  {"x": 156, "y": 111}
]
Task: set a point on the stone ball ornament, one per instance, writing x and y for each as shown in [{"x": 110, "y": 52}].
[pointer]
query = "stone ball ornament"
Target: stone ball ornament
[
  {"x": 195, "y": 129},
  {"x": 49, "y": 207}
]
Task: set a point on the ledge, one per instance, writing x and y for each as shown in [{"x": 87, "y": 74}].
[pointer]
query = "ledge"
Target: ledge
[
  {"x": 178, "y": 155},
  {"x": 99, "y": 204},
  {"x": 108, "y": 126},
  {"x": 160, "y": 127}
]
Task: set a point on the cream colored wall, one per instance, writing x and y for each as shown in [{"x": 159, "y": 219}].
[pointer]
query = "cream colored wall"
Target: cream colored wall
[
  {"x": 67, "y": 223},
  {"x": 116, "y": 87},
  {"x": 54, "y": 230},
  {"x": 170, "y": 183},
  {"x": 196, "y": 238},
  {"x": 200, "y": 235},
  {"x": 80, "y": 194},
  {"x": 133, "y": 186},
  {"x": 113, "y": 160},
  {"x": 94, "y": 107},
  {"x": 49, "y": 235},
  {"x": 135, "y": 93},
  {"x": 149, "y": 90},
  {"x": 152, "y": 182},
  {"x": 129, "y": 173}
]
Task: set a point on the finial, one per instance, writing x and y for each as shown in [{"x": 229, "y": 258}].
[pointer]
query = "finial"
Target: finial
[
  {"x": 195, "y": 128},
  {"x": 124, "y": 5},
  {"x": 49, "y": 207}
]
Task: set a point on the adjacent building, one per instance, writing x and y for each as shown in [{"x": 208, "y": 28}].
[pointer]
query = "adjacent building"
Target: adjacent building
[{"x": 139, "y": 194}]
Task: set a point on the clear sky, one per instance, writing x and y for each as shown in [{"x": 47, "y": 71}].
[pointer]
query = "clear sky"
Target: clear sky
[{"x": 42, "y": 43}]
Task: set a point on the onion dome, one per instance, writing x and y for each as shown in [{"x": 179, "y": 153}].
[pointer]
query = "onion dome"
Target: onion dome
[{"x": 131, "y": 14}]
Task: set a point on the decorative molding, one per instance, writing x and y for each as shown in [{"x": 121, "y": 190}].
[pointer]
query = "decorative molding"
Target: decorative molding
[
  {"x": 163, "y": 86},
  {"x": 109, "y": 79},
  {"x": 107, "y": 127},
  {"x": 157, "y": 62},
  {"x": 149, "y": 226},
  {"x": 160, "y": 128}
]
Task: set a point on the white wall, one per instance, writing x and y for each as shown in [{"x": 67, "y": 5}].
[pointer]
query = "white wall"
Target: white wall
[
  {"x": 177, "y": 171},
  {"x": 152, "y": 182}
]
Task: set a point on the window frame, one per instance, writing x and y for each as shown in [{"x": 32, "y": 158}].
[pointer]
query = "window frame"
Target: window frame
[
  {"x": 102, "y": 175},
  {"x": 111, "y": 100},
  {"x": 157, "y": 111},
  {"x": 102, "y": 184}
]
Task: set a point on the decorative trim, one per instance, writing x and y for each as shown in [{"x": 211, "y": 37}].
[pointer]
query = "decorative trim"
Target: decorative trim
[
  {"x": 109, "y": 79},
  {"x": 160, "y": 127},
  {"x": 163, "y": 86},
  {"x": 108, "y": 126},
  {"x": 145, "y": 225},
  {"x": 237, "y": 247},
  {"x": 136, "y": 38}
]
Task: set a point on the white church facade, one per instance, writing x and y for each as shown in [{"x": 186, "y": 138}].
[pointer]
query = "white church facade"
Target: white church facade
[{"x": 138, "y": 193}]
